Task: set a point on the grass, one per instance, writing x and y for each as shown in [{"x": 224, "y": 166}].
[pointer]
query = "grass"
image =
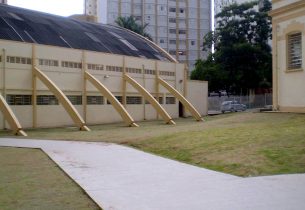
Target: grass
[
  {"x": 244, "y": 144},
  {"x": 30, "y": 180}
]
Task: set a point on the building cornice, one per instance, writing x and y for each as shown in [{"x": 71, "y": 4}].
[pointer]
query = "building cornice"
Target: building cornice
[{"x": 287, "y": 8}]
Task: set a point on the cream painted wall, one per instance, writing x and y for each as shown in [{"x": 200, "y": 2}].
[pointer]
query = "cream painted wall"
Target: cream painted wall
[
  {"x": 291, "y": 84},
  {"x": 280, "y": 3},
  {"x": 70, "y": 80},
  {"x": 1, "y": 121},
  {"x": 197, "y": 94}
]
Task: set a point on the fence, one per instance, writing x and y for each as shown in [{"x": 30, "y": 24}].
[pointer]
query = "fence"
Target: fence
[{"x": 251, "y": 101}]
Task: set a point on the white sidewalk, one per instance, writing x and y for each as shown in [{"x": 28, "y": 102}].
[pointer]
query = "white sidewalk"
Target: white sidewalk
[{"x": 118, "y": 177}]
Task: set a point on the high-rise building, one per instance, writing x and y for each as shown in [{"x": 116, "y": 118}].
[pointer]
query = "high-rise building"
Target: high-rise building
[
  {"x": 3, "y": 1},
  {"x": 178, "y": 26}
]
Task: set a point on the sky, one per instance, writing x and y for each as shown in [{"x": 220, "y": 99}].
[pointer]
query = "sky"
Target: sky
[{"x": 57, "y": 7}]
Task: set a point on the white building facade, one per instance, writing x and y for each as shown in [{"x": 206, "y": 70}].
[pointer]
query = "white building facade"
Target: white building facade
[{"x": 178, "y": 26}]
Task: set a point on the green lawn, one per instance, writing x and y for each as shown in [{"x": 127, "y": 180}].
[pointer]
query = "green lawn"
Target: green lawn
[
  {"x": 30, "y": 180},
  {"x": 244, "y": 144}
]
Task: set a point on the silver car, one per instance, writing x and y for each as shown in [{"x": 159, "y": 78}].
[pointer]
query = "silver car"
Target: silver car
[{"x": 232, "y": 106}]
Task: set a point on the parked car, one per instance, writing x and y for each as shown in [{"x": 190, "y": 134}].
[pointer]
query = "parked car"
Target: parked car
[
  {"x": 223, "y": 92},
  {"x": 214, "y": 93},
  {"x": 232, "y": 106}
]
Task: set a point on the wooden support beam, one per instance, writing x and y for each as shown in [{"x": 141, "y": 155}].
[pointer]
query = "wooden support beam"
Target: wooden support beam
[
  {"x": 150, "y": 99},
  {"x": 78, "y": 120},
  {"x": 182, "y": 99},
  {"x": 10, "y": 117},
  {"x": 112, "y": 99}
]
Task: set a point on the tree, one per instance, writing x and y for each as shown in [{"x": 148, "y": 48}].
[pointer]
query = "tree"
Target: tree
[
  {"x": 131, "y": 24},
  {"x": 242, "y": 55}
]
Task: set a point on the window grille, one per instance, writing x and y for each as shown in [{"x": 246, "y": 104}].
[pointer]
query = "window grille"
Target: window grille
[
  {"x": 295, "y": 51},
  {"x": 47, "y": 62},
  {"x": 75, "y": 100},
  {"x": 47, "y": 100},
  {"x": 69, "y": 64},
  {"x": 119, "y": 98},
  {"x": 114, "y": 68},
  {"x": 94, "y": 100},
  {"x": 167, "y": 73},
  {"x": 134, "y": 70},
  {"x": 19, "y": 99},
  {"x": 149, "y": 71},
  {"x": 18, "y": 60},
  {"x": 99, "y": 67},
  {"x": 170, "y": 100},
  {"x": 133, "y": 100}
]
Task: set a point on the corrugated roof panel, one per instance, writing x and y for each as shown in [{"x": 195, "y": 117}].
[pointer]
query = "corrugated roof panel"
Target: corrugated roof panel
[{"x": 30, "y": 26}]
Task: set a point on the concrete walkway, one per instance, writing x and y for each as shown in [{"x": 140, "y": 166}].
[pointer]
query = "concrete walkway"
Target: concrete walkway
[{"x": 118, "y": 177}]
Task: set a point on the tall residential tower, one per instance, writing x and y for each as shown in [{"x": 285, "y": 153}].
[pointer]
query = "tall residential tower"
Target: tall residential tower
[{"x": 178, "y": 26}]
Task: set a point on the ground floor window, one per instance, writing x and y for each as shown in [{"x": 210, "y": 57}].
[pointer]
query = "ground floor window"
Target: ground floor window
[
  {"x": 133, "y": 100},
  {"x": 170, "y": 100},
  {"x": 47, "y": 100},
  {"x": 95, "y": 100},
  {"x": 19, "y": 99},
  {"x": 75, "y": 100}
]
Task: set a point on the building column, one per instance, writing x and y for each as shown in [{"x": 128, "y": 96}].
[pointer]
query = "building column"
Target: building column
[{"x": 34, "y": 88}]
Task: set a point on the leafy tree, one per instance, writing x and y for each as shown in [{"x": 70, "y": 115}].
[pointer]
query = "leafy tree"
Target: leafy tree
[
  {"x": 242, "y": 58},
  {"x": 131, "y": 24}
]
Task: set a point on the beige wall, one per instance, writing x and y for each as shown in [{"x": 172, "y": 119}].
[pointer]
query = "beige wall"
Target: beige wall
[
  {"x": 18, "y": 80},
  {"x": 197, "y": 94},
  {"x": 288, "y": 86}
]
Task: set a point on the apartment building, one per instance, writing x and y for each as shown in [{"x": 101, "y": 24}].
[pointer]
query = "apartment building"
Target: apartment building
[{"x": 178, "y": 26}]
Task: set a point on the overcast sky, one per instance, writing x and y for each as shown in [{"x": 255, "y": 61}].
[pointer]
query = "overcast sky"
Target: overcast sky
[{"x": 58, "y": 7}]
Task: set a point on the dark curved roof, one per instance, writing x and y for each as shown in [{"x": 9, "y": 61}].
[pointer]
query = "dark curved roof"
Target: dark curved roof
[{"x": 24, "y": 25}]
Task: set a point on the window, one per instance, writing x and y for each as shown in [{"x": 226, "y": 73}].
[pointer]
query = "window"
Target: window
[
  {"x": 69, "y": 64},
  {"x": 19, "y": 99},
  {"x": 170, "y": 100},
  {"x": 172, "y": 41},
  {"x": 75, "y": 100},
  {"x": 95, "y": 66},
  {"x": 193, "y": 42},
  {"x": 295, "y": 51},
  {"x": 172, "y": 31},
  {"x": 114, "y": 68},
  {"x": 119, "y": 98},
  {"x": 134, "y": 70},
  {"x": 47, "y": 100},
  {"x": 172, "y": 20},
  {"x": 149, "y": 71},
  {"x": 182, "y": 32},
  {"x": 161, "y": 42},
  {"x": 19, "y": 60},
  {"x": 95, "y": 100},
  {"x": 133, "y": 100},
  {"x": 160, "y": 100},
  {"x": 47, "y": 62},
  {"x": 167, "y": 73},
  {"x": 172, "y": 9}
]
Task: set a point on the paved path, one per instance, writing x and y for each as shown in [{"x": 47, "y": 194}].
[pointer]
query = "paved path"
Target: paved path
[{"x": 118, "y": 177}]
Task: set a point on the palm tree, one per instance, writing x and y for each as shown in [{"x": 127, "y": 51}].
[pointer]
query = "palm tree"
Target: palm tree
[{"x": 131, "y": 24}]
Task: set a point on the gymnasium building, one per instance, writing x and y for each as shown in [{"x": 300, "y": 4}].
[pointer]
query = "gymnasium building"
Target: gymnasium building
[{"x": 57, "y": 71}]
